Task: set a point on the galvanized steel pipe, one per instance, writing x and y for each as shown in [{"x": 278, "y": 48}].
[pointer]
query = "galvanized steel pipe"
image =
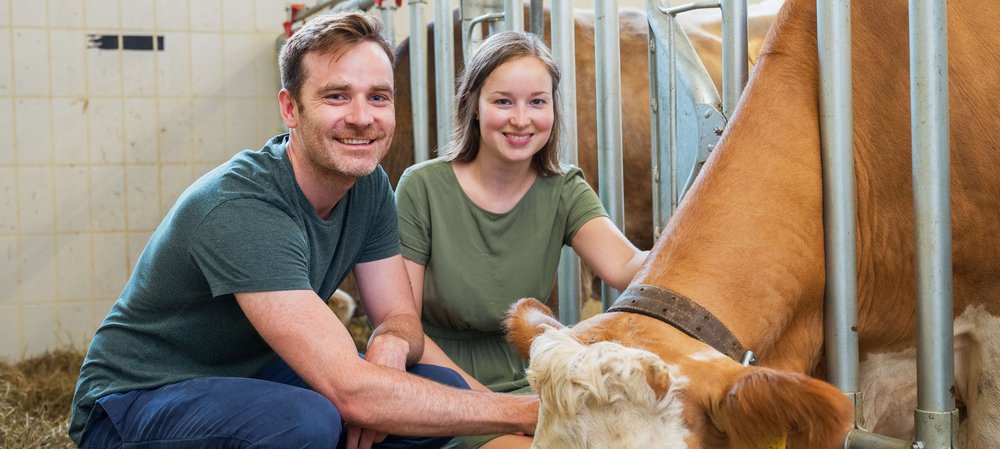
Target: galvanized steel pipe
[
  {"x": 839, "y": 214},
  {"x": 564, "y": 54},
  {"x": 387, "y": 11},
  {"x": 609, "y": 119},
  {"x": 418, "y": 80},
  {"x": 444, "y": 72},
  {"x": 932, "y": 195},
  {"x": 513, "y": 15},
  {"x": 734, "y": 53},
  {"x": 536, "y": 19}
]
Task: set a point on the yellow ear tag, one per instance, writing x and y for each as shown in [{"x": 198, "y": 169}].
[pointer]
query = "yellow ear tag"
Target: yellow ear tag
[{"x": 777, "y": 443}]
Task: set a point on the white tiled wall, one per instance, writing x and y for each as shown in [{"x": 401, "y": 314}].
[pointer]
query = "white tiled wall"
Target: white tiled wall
[{"x": 95, "y": 145}]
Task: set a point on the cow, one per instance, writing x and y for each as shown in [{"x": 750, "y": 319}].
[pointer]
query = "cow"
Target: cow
[{"x": 746, "y": 247}]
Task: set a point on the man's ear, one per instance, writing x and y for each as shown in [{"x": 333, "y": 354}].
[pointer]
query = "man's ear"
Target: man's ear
[{"x": 289, "y": 109}]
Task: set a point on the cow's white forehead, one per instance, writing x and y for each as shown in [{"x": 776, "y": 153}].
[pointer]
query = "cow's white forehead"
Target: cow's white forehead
[{"x": 597, "y": 396}]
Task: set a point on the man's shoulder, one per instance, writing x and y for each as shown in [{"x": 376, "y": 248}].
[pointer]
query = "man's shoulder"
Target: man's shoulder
[{"x": 249, "y": 174}]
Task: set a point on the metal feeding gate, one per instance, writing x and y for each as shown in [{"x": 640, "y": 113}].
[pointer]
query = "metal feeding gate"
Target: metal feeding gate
[{"x": 936, "y": 418}]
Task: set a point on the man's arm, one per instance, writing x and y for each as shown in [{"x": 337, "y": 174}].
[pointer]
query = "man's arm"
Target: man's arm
[
  {"x": 303, "y": 331},
  {"x": 385, "y": 291}
]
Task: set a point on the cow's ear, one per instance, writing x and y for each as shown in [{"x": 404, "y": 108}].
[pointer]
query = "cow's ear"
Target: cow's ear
[
  {"x": 762, "y": 404},
  {"x": 525, "y": 320},
  {"x": 658, "y": 377}
]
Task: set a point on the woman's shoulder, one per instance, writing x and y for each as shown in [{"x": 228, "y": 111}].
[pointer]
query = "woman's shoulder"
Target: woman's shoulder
[
  {"x": 433, "y": 174},
  {"x": 570, "y": 174},
  {"x": 429, "y": 168}
]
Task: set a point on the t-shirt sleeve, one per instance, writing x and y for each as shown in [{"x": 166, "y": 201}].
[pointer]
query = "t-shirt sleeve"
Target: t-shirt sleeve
[
  {"x": 414, "y": 218},
  {"x": 382, "y": 240},
  {"x": 247, "y": 245},
  {"x": 581, "y": 201}
]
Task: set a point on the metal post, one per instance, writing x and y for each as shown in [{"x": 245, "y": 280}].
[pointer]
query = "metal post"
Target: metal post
[
  {"x": 609, "y": 119},
  {"x": 478, "y": 13},
  {"x": 536, "y": 24},
  {"x": 513, "y": 15},
  {"x": 936, "y": 416},
  {"x": 836, "y": 131},
  {"x": 734, "y": 53},
  {"x": 444, "y": 71},
  {"x": 564, "y": 53},
  {"x": 418, "y": 79},
  {"x": 387, "y": 10}
]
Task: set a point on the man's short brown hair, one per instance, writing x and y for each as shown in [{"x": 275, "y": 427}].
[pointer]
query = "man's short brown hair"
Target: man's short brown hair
[{"x": 329, "y": 33}]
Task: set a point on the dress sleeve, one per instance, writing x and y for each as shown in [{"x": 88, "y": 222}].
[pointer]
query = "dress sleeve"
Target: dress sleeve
[
  {"x": 247, "y": 245},
  {"x": 413, "y": 205},
  {"x": 581, "y": 202}
]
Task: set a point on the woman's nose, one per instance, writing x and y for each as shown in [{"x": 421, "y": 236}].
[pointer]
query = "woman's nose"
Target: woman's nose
[{"x": 519, "y": 117}]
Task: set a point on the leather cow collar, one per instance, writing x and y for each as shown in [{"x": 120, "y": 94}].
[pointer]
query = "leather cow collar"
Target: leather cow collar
[{"x": 685, "y": 315}]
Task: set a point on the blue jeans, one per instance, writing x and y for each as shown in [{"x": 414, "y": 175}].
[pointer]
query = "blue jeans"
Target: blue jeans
[{"x": 274, "y": 409}]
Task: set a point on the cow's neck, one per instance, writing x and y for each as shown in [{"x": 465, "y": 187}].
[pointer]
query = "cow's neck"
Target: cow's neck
[{"x": 747, "y": 244}]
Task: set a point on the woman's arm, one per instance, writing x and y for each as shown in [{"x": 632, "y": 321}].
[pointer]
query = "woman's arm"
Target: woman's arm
[{"x": 608, "y": 252}]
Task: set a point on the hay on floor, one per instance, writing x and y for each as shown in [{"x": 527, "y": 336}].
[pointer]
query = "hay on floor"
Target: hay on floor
[{"x": 35, "y": 395}]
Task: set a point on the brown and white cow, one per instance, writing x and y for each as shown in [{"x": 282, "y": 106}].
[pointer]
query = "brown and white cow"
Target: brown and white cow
[{"x": 747, "y": 245}]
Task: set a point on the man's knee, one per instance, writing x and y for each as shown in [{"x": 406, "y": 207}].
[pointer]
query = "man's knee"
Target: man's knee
[
  {"x": 306, "y": 419},
  {"x": 440, "y": 375}
]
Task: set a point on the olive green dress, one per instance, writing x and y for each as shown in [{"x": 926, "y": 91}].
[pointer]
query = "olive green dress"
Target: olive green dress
[{"x": 478, "y": 263}]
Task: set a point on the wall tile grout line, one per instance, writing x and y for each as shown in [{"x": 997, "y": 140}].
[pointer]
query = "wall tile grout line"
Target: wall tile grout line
[{"x": 18, "y": 290}]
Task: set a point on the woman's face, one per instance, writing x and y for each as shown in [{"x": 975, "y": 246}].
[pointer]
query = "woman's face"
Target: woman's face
[{"x": 515, "y": 110}]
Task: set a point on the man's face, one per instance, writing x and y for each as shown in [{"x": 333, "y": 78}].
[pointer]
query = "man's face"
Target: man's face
[{"x": 345, "y": 115}]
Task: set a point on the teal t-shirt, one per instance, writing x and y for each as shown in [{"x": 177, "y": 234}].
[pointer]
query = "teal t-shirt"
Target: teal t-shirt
[{"x": 243, "y": 227}]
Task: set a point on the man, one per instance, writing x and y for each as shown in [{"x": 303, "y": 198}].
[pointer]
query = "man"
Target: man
[{"x": 221, "y": 338}]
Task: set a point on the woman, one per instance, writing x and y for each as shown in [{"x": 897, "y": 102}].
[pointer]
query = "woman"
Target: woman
[{"x": 483, "y": 225}]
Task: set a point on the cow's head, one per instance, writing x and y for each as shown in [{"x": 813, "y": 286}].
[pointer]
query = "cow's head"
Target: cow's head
[{"x": 616, "y": 381}]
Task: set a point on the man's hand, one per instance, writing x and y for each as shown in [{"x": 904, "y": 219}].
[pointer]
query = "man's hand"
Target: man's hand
[
  {"x": 388, "y": 350},
  {"x": 359, "y": 438}
]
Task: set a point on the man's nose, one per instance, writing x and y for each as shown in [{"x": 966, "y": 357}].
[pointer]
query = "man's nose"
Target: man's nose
[{"x": 359, "y": 114}]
